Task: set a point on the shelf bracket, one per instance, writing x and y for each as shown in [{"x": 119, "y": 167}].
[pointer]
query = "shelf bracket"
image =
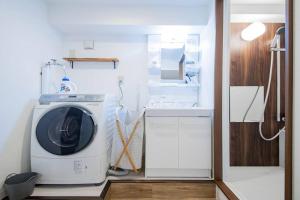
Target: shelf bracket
[{"x": 72, "y": 64}]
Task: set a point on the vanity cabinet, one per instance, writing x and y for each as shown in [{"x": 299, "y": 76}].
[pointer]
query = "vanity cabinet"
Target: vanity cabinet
[
  {"x": 194, "y": 143},
  {"x": 162, "y": 142},
  {"x": 178, "y": 147}
]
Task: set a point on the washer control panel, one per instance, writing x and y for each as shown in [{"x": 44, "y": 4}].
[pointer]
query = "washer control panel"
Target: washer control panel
[{"x": 48, "y": 98}]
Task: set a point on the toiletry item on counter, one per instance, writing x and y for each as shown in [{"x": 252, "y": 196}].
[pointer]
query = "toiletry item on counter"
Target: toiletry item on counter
[{"x": 67, "y": 86}]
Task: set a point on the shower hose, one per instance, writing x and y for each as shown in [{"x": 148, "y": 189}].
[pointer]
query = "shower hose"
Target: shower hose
[{"x": 265, "y": 104}]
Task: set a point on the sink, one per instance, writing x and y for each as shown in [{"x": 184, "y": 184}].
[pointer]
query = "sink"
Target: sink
[{"x": 178, "y": 112}]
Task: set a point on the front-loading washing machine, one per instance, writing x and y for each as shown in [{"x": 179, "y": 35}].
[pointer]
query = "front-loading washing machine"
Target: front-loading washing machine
[{"x": 71, "y": 138}]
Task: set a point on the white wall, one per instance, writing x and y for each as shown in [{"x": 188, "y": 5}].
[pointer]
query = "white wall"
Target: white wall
[
  {"x": 26, "y": 41},
  {"x": 296, "y": 129},
  {"x": 207, "y": 43},
  {"x": 101, "y": 77}
]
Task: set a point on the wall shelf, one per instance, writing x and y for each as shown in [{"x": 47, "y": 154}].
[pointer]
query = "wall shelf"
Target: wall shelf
[{"x": 72, "y": 60}]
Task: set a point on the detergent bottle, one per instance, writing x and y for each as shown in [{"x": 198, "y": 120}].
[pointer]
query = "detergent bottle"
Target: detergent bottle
[{"x": 67, "y": 86}]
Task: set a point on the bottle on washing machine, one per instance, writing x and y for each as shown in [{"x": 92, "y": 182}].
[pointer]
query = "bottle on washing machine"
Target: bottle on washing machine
[{"x": 67, "y": 86}]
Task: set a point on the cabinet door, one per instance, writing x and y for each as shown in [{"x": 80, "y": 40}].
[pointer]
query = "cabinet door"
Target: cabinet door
[
  {"x": 161, "y": 142},
  {"x": 195, "y": 142}
]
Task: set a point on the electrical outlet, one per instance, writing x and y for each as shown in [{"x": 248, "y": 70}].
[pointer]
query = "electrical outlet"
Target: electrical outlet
[{"x": 88, "y": 44}]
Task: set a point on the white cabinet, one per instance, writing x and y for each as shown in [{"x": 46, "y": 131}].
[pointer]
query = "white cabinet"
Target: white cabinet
[
  {"x": 195, "y": 143},
  {"x": 178, "y": 147},
  {"x": 162, "y": 142}
]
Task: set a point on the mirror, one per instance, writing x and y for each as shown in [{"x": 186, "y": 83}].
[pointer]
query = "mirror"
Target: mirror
[
  {"x": 173, "y": 57},
  {"x": 172, "y": 63}
]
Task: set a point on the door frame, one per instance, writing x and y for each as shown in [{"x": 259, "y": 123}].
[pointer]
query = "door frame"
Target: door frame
[
  {"x": 218, "y": 87},
  {"x": 289, "y": 65}
]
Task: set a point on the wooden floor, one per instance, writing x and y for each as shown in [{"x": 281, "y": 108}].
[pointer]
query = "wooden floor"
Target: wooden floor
[{"x": 157, "y": 191}]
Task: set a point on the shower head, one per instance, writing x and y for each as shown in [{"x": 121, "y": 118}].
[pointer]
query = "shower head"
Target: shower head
[{"x": 279, "y": 31}]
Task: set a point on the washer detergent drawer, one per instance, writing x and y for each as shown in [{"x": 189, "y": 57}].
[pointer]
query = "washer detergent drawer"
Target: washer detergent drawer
[{"x": 69, "y": 171}]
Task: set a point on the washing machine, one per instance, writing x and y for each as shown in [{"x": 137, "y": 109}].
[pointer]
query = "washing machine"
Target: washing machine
[{"x": 71, "y": 138}]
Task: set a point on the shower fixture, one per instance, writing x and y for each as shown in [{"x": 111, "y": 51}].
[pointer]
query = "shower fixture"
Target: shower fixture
[
  {"x": 276, "y": 39},
  {"x": 275, "y": 47}
]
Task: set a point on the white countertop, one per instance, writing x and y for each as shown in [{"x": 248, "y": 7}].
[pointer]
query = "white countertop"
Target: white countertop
[{"x": 178, "y": 112}]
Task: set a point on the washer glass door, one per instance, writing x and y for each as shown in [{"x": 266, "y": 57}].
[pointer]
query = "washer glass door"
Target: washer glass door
[{"x": 65, "y": 130}]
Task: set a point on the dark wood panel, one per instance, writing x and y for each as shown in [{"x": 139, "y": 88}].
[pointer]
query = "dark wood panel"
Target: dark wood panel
[
  {"x": 218, "y": 172},
  {"x": 250, "y": 66},
  {"x": 289, "y": 102}
]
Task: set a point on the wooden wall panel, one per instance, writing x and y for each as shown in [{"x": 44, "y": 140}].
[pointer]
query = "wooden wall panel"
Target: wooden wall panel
[
  {"x": 289, "y": 77},
  {"x": 250, "y": 64},
  {"x": 218, "y": 159}
]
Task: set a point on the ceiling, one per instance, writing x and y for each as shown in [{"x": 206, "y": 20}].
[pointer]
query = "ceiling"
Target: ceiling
[
  {"x": 92, "y": 30},
  {"x": 257, "y": 1},
  {"x": 161, "y": 2},
  {"x": 134, "y": 2}
]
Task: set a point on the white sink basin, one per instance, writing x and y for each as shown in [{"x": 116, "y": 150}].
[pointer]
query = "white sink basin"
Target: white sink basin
[{"x": 178, "y": 112}]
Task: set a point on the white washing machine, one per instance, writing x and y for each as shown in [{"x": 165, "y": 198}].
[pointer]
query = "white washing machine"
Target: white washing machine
[{"x": 71, "y": 138}]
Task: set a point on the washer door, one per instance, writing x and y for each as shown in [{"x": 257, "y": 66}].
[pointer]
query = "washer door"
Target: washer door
[{"x": 65, "y": 130}]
